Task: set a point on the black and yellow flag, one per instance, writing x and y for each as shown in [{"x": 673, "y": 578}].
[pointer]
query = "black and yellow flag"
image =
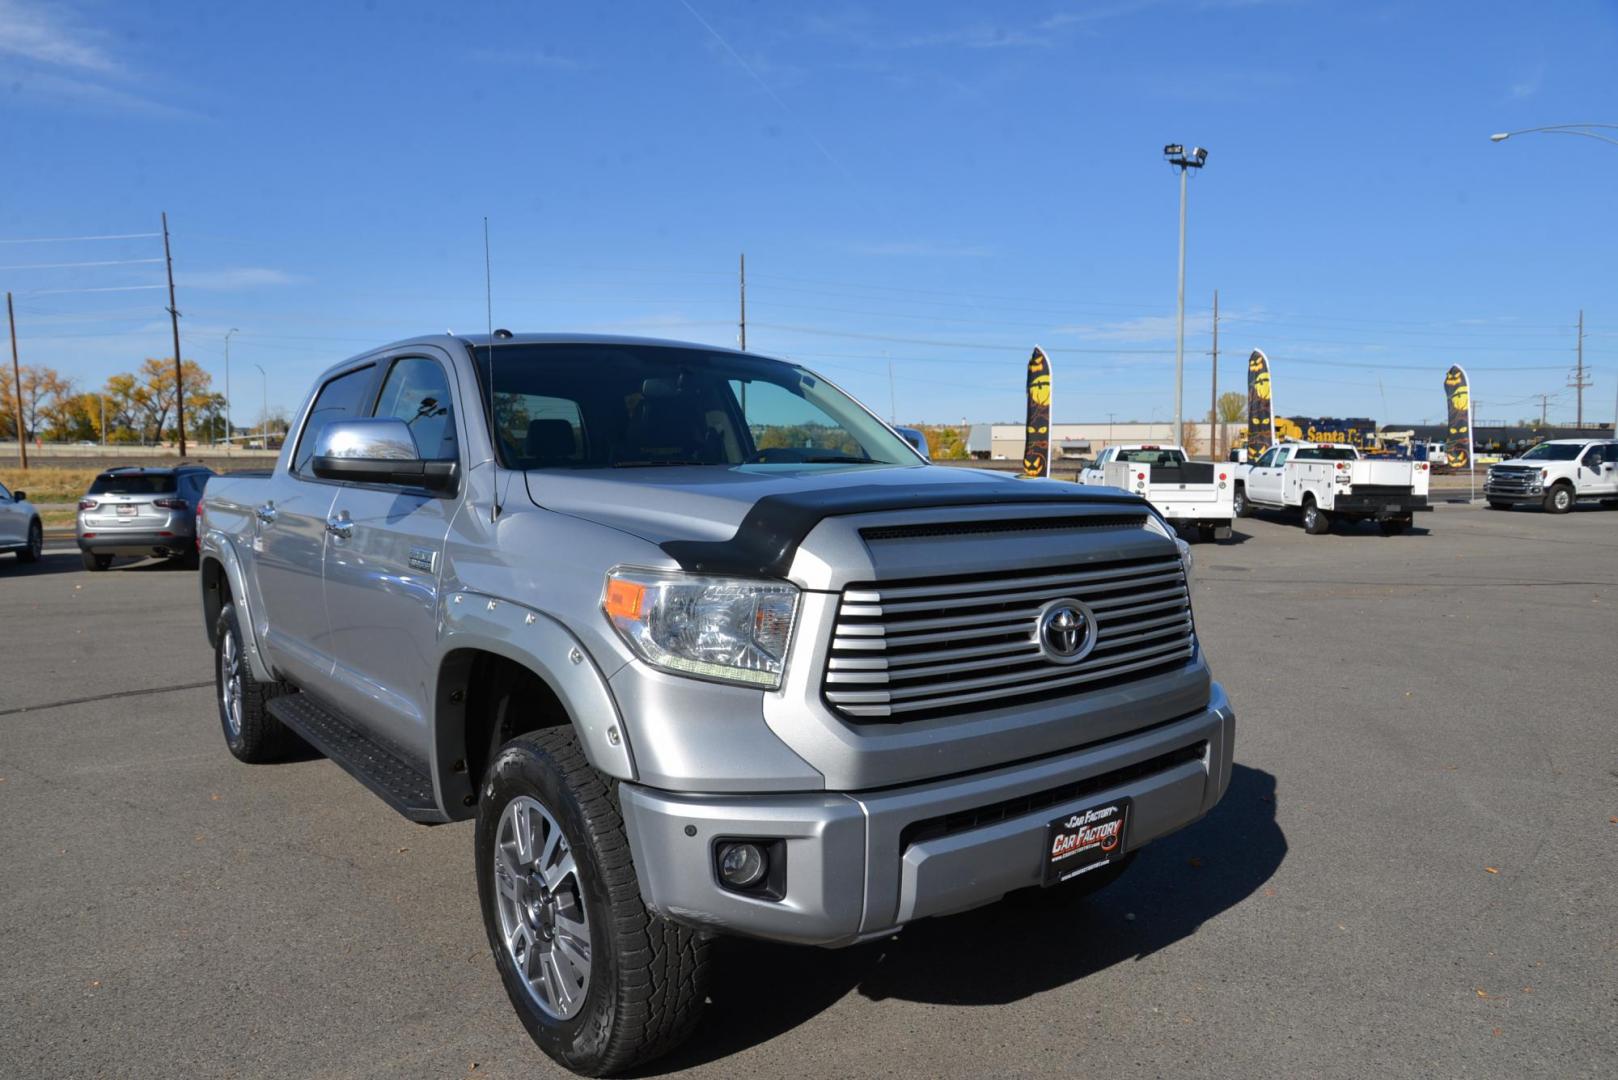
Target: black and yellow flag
[
  {"x": 1458, "y": 394},
  {"x": 1036, "y": 447},
  {"x": 1260, "y": 406}
]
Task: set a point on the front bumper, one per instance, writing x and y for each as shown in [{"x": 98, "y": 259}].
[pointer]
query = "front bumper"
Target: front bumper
[{"x": 863, "y": 864}]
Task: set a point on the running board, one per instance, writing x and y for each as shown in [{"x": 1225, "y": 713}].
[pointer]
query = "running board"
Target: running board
[{"x": 402, "y": 783}]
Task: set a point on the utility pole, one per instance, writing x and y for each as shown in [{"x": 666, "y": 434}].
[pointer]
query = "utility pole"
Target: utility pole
[
  {"x": 1579, "y": 382},
  {"x": 893, "y": 398},
  {"x": 743, "y": 281},
  {"x": 174, "y": 321},
  {"x": 1544, "y": 402},
  {"x": 16, "y": 373},
  {"x": 103, "y": 399},
  {"x": 229, "y": 431},
  {"x": 1213, "y": 411}
]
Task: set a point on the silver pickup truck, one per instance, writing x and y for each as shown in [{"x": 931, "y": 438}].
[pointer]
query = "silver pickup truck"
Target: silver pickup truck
[{"x": 703, "y": 647}]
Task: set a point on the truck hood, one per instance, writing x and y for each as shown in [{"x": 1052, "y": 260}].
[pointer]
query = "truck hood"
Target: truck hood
[{"x": 695, "y": 511}]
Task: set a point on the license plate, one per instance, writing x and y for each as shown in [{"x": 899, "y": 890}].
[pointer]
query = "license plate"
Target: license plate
[
  {"x": 1087, "y": 840},
  {"x": 126, "y": 511}
]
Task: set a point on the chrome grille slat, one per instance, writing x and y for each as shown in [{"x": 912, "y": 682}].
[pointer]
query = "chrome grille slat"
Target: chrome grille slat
[
  {"x": 1039, "y": 595},
  {"x": 1058, "y": 581},
  {"x": 921, "y": 648}
]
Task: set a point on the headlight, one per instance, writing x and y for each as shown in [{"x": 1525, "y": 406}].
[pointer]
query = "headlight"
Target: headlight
[
  {"x": 1156, "y": 523},
  {"x": 729, "y": 629}
]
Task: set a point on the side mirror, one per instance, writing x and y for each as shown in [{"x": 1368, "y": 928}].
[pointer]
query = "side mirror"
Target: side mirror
[
  {"x": 377, "y": 450},
  {"x": 19, "y": 496}
]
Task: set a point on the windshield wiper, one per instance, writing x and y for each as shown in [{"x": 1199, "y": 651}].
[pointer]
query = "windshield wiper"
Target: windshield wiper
[{"x": 836, "y": 459}]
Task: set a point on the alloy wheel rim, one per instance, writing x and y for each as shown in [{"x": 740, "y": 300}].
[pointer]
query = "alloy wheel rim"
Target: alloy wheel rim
[
  {"x": 1562, "y": 500},
  {"x": 230, "y": 683},
  {"x": 539, "y": 896}
]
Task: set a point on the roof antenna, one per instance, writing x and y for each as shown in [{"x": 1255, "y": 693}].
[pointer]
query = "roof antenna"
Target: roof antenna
[{"x": 494, "y": 432}]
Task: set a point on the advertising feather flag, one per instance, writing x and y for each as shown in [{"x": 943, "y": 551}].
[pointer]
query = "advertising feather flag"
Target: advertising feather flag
[
  {"x": 1036, "y": 452},
  {"x": 1458, "y": 396},
  {"x": 1260, "y": 405}
]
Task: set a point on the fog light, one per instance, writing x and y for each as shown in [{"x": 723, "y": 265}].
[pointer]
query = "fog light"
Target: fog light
[{"x": 742, "y": 865}]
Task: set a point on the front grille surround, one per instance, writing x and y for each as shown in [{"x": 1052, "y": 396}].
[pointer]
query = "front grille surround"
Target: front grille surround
[
  {"x": 1513, "y": 480},
  {"x": 919, "y": 649}
]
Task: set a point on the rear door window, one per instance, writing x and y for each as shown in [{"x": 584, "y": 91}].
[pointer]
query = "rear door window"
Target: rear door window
[{"x": 341, "y": 398}]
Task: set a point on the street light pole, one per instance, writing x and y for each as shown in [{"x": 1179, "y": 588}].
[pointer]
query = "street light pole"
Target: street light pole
[
  {"x": 1179, "y": 157},
  {"x": 1559, "y": 129},
  {"x": 229, "y": 431},
  {"x": 264, "y": 412}
]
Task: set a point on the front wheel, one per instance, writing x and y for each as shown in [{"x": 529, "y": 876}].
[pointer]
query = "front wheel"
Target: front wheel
[
  {"x": 1315, "y": 520},
  {"x": 1239, "y": 504},
  {"x": 31, "y": 551},
  {"x": 599, "y": 981},
  {"x": 1559, "y": 500}
]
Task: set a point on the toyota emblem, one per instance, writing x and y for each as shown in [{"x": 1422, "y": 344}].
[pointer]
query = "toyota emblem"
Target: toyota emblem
[{"x": 1066, "y": 631}]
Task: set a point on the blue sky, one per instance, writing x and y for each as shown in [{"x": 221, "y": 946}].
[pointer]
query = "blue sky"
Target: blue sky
[{"x": 934, "y": 185}]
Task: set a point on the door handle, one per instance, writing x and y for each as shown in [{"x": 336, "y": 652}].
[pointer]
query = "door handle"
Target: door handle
[
  {"x": 341, "y": 526},
  {"x": 266, "y": 513}
]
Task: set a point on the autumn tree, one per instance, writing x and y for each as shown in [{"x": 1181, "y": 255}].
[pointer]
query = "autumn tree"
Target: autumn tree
[
  {"x": 154, "y": 393},
  {"x": 41, "y": 388}
]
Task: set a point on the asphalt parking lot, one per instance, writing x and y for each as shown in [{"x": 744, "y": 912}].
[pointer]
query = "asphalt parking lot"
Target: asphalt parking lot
[{"x": 1412, "y": 873}]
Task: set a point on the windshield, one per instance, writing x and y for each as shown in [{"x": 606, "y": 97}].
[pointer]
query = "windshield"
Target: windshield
[
  {"x": 1553, "y": 452},
  {"x": 592, "y": 406}
]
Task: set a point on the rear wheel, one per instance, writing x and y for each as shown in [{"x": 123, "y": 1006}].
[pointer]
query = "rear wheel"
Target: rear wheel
[
  {"x": 1239, "y": 504},
  {"x": 1207, "y": 533},
  {"x": 251, "y": 733},
  {"x": 92, "y": 561},
  {"x": 31, "y": 551},
  {"x": 1559, "y": 499},
  {"x": 1395, "y": 526},
  {"x": 1315, "y": 520},
  {"x": 599, "y": 981}
]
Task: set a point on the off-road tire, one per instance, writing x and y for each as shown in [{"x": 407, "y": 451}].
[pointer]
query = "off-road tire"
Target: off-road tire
[
  {"x": 1239, "y": 504},
  {"x": 648, "y": 976},
  {"x": 1315, "y": 520},
  {"x": 261, "y": 738},
  {"x": 95, "y": 562},
  {"x": 31, "y": 551},
  {"x": 1560, "y": 499}
]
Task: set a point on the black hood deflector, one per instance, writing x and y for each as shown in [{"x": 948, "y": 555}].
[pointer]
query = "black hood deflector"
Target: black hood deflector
[{"x": 768, "y": 537}]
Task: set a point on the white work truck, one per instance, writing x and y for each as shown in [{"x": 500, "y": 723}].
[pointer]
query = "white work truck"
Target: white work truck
[
  {"x": 1556, "y": 475},
  {"x": 1190, "y": 494},
  {"x": 1326, "y": 482}
]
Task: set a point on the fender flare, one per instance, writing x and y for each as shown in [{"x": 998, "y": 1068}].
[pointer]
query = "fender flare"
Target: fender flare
[
  {"x": 218, "y": 548},
  {"x": 543, "y": 645}
]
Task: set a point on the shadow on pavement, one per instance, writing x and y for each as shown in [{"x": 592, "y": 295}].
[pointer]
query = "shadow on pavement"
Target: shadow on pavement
[
  {"x": 52, "y": 562},
  {"x": 1031, "y": 942}
]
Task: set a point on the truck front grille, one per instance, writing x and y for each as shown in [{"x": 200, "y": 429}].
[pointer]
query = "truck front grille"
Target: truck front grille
[
  {"x": 912, "y": 650},
  {"x": 1510, "y": 480}
]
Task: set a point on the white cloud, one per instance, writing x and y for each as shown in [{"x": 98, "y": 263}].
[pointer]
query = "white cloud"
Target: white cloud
[
  {"x": 48, "y": 35},
  {"x": 234, "y": 278}
]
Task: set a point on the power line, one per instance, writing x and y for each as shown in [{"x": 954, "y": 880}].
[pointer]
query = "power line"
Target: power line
[
  {"x": 74, "y": 265},
  {"x": 75, "y": 239}
]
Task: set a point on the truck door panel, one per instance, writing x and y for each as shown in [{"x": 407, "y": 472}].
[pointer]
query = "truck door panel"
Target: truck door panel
[{"x": 382, "y": 577}]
